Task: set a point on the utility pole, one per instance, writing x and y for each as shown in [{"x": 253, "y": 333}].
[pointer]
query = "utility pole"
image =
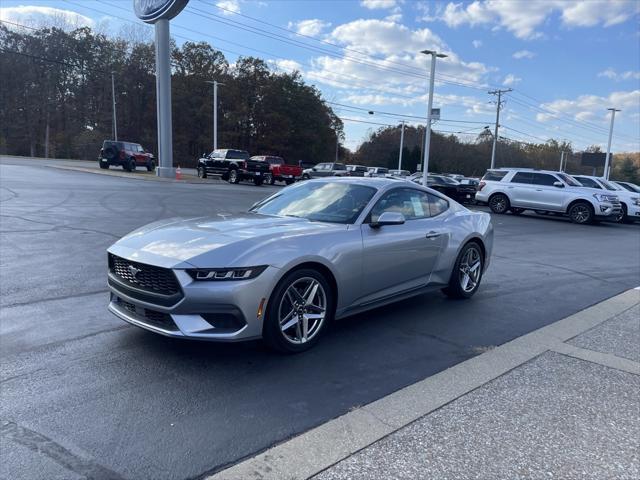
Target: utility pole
[
  {"x": 561, "y": 160},
  {"x": 495, "y": 135},
  {"x": 113, "y": 99},
  {"x": 401, "y": 147},
  {"x": 427, "y": 140},
  {"x": 607, "y": 167},
  {"x": 337, "y": 146}
]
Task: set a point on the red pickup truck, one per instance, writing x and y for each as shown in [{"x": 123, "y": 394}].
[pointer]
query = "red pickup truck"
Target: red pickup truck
[{"x": 279, "y": 171}]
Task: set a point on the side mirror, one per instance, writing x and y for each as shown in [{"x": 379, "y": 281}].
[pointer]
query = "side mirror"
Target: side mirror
[
  {"x": 558, "y": 184},
  {"x": 388, "y": 218}
]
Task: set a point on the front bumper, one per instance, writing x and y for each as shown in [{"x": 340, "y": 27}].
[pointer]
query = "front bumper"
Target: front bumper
[
  {"x": 608, "y": 209},
  {"x": 224, "y": 311}
]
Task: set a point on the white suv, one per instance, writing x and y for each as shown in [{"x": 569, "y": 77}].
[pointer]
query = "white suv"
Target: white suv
[
  {"x": 520, "y": 189},
  {"x": 630, "y": 202}
]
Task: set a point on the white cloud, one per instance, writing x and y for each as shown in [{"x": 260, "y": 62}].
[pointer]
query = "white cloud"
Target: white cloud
[
  {"x": 379, "y": 4},
  {"x": 523, "y": 18},
  {"x": 32, "y": 15},
  {"x": 511, "y": 79},
  {"x": 593, "y": 107},
  {"x": 312, "y": 27},
  {"x": 286, "y": 64},
  {"x": 396, "y": 17},
  {"x": 393, "y": 64},
  {"x": 613, "y": 75},
  {"x": 476, "y": 43},
  {"x": 520, "y": 54},
  {"x": 229, "y": 7}
]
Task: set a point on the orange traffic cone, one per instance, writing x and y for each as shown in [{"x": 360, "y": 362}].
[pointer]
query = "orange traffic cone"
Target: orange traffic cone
[{"x": 178, "y": 173}]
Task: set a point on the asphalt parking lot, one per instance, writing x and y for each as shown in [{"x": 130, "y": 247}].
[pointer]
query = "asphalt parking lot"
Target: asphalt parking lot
[{"x": 85, "y": 395}]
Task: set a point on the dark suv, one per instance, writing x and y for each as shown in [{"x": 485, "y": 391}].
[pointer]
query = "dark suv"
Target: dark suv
[
  {"x": 233, "y": 166},
  {"x": 126, "y": 155}
]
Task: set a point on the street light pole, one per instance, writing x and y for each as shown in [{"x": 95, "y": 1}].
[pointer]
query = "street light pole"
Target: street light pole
[
  {"x": 401, "y": 147},
  {"x": 215, "y": 111},
  {"x": 113, "y": 99},
  {"x": 607, "y": 167},
  {"x": 427, "y": 140}
]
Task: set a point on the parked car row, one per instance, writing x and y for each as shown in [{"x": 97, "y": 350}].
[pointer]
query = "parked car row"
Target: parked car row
[{"x": 582, "y": 198}]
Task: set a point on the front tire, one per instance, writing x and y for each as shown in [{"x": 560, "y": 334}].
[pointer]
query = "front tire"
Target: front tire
[
  {"x": 306, "y": 176},
  {"x": 299, "y": 311},
  {"x": 467, "y": 272},
  {"x": 581, "y": 213},
  {"x": 499, "y": 203},
  {"x": 202, "y": 173}
]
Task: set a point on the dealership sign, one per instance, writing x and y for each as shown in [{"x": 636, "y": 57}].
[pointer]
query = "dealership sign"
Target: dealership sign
[{"x": 151, "y": 11}]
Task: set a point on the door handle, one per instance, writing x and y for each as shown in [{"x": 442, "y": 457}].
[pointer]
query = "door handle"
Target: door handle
[
  {"x": 432, "y": 234},
  {"x": 538, "y": 189}
]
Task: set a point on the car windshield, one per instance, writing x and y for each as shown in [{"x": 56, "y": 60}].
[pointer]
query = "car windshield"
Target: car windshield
[
  {"x": 333, "y": 202},
  {"x": 609, "y": 185},
  {"x": 572, "y": 182},
  {"x": 630, "y": 186}
]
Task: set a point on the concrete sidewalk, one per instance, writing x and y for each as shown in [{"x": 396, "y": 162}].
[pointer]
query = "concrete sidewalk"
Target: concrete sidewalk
[{"x": 561, "y": 402}]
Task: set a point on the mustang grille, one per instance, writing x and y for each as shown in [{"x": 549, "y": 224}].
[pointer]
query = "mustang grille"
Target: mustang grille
[{"x": 146, "y": 277}]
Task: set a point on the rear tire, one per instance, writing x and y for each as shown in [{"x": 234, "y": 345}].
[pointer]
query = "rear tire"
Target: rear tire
[
  {"x": 257, "y": 181},
  {"x": 132, "y": 165},
  {"x": 281, "y": 339},
  {"x": 499, "y": 203},
  {"x": 233, "y": 176},
  {"x": 581, "y": 213},
  {"x": 103, "y": 165},
  {"x": 467, "y": 272},
  {"x": 151, "y": 166},
  {"x": 268, "y": 179},
  {"x": 289, "y": 182}
]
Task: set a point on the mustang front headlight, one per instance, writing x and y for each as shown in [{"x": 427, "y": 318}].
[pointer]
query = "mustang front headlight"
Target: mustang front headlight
[
  {"x": 221, "y": 274},
  {"x": 602, "y": 197}
]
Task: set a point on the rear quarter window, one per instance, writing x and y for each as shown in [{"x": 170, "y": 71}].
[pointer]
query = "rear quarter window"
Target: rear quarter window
[{"x": 494, "y": 175}]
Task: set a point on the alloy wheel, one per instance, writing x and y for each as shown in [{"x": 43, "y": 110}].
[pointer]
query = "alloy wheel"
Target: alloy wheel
[
  {"x": 498, "y": 204},
  {"x": 470, "y": 269},
  {"x": 580, "y": 213},
  {"x": 302, "y": 310},
  {"x": 233, "y": 176}
]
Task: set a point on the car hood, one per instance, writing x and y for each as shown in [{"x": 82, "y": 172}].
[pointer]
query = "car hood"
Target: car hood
[{"x": 238, "y": 240}]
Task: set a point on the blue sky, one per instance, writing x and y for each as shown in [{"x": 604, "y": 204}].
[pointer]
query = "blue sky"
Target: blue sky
[{"x": 567, "y": 61}]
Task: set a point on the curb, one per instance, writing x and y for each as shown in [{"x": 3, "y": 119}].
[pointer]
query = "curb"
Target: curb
[{"x": 321, "y": 447}]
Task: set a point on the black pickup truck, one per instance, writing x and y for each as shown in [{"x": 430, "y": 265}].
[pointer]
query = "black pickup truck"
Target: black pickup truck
[
  {"x": 462, "y": 193},
  {"x": 233, "y": 166}
]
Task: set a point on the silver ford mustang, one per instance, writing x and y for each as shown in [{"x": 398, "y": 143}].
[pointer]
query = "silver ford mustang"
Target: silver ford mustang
[{"x": 313, "y": 252}]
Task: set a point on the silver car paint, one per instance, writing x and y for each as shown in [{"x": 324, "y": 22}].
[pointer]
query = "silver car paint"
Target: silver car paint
[{"x": 364, "y": 278}]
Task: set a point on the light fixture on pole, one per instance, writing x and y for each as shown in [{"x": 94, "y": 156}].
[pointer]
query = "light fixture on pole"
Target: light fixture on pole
[
  {"x": 427, "y": 140},
  {"x": 215, "y": 111},
  {"x": 607, "y": 167}
]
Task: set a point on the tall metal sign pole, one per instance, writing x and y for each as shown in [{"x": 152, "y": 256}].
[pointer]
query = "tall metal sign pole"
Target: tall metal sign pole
[
  {"x": 427, "y": 140},
  {"x": 607, "y": 167},
  {"x": 159, "y": 12}
]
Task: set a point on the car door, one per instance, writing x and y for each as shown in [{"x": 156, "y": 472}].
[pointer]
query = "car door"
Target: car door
[
  {"x": 322, "y": 170},
  {"x": 543, "y": 194},
  {"x": 519, "y": 190},
  {"x": 399, "y": 258}
]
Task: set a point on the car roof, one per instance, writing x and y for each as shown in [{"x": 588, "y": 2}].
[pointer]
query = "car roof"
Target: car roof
[
  {"x": 531, "y": 170},
  {"x": 377, "y": 182}
]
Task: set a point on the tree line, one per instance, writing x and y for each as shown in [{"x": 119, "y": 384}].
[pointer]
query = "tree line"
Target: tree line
[
  {"x": 56, "y": 99},
  {"x": 449, "y": 154}
]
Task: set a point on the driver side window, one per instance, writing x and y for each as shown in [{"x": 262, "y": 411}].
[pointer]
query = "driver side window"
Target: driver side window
[{"x": 413, "y": 204}]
